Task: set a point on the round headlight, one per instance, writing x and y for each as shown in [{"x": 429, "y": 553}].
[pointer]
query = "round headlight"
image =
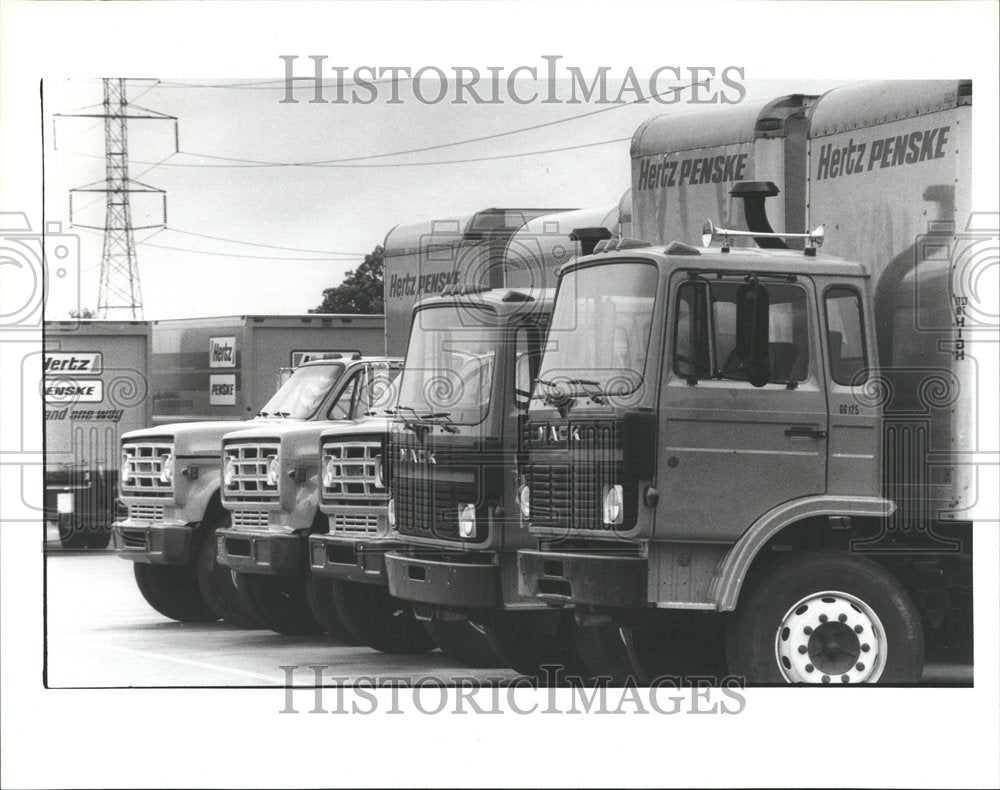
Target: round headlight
[
  {"x": 126, "y": 471},
  {"x": 166, "y": 468},
  {"x": 613, "y": 505},
  {"x": 273, "y": 470},
  {"x": 229, "y": 471},
  {"x": 391, "y": 512},
  {"x": 524, "y": 500},
  {"x": 328, "y": 472}
]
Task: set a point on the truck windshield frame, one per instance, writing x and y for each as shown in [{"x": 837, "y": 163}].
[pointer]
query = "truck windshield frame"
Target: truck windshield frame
[
  {"x": 599, "y": 335},
  {"x": 451, "y": 363},
  {"x": 302, "y": 396}
]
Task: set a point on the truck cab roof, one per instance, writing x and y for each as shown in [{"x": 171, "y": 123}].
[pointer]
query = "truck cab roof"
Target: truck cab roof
[
  {"x": 677, "y": 256},
  {"x": 500, "y": 300},
  {"x": 348, "y": 359}
]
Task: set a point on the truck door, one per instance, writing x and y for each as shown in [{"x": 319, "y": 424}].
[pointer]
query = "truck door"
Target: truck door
[{"x": 731, "y": 451}]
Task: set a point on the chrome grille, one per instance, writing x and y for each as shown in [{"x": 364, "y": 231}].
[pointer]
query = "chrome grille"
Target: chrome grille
[
  {"x": 144, "y": 464},
  {"x": 249, "y": 472},
  {"x": 250, "y": 519},
  {"x": 145, "y": 511},
  {"x": 352, "y": 470},
  {"x": 345, "y": 522}
]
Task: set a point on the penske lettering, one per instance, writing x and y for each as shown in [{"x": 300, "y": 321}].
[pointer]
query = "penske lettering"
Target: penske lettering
[
  {"x": 695, "y": 170},
  {"x": 74, "y": 390},
  {"x": 862, "y": 156},
  {"x": 413, "y": 285}
]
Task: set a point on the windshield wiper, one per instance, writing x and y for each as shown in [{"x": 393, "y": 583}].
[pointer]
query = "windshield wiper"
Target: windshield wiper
[
  {"x": 597, "y": 397},
  {"x": 432, "y": 416}
]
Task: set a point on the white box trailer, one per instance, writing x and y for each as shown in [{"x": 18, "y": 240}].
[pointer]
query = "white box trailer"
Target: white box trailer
[
  {"x": 94, "y": 380},
  {"x": 226, "y": 368}
]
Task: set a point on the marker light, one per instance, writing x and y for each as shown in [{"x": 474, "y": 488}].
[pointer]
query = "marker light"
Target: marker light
[
  {"x": 167, "y": 468},
  {"x": 524, "y": 500},
  {"x": 613, "y": 505},
  {"x": 467, "y": 521},
  {"x": 273, "y": 470}
]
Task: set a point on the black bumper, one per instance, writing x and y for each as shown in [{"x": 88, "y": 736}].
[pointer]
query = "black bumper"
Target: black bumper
[
  {"x": 156, "y": 544},
  {"x": 349, "y": 559},
  {"x": 444, "y": 580},
  {"x": 278, "y": 554},
  {"x": 593, "y": 579}
]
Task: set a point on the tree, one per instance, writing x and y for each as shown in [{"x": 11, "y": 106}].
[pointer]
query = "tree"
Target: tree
[
  {"x": 361, "y": 290},
  {"x": 83, "y": 312}
]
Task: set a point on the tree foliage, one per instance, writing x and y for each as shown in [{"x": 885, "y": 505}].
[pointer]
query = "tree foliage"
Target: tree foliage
[
  {"x": 83, "y": 312},
  {"x": 361, "y": 290}
]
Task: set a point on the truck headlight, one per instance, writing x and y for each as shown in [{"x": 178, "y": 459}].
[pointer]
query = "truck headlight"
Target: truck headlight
[
  {"x": 167, "y": 468},
  {"x": 467, "y": 521},
  {"x": 126, "y": 471},
  {"x": 379, "y": 479},
  {"x": 328, "y": 472},
  {"x": 273, "y": 470},
  {"x": 229, "y": 471},
  {"x": 391, "y": 512},
  {"x": 612, "y": 505},
  {"x": 524, "y": 500}
]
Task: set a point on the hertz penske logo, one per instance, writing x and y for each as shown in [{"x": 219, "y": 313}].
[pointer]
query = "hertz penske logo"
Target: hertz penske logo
[{"x": 417, "y": 456}]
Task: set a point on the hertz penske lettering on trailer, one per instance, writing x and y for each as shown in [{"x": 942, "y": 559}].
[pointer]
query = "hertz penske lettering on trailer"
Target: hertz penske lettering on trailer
[{"x": 766, "y": 444}]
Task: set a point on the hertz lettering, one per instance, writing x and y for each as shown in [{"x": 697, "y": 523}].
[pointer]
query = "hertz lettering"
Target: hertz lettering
[
  {"x": 862, "y": 156},
  {"x": 413, "y": 285},
  {"x": 696, "y": 170}
]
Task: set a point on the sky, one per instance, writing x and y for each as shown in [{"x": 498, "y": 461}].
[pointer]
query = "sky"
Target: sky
[{"x": 315, "y": 213}]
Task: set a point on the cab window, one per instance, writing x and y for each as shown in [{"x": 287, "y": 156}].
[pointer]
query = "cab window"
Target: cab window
[
  {"x": 845, "y": 336},
  {"x": 377, "y": 390},
  {"x": 341, "y": 408}
]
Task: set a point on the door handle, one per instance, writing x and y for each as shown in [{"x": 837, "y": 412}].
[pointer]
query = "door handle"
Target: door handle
[{"x": 804, "y": 432}]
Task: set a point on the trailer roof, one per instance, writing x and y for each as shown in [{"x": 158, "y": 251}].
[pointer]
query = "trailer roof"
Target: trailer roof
[
  {"x": 96, "y": 326},
  {"x": 303, "y": 318},
  {"x": 873, "y": 103},
  {"x": 716, "y": 126}
]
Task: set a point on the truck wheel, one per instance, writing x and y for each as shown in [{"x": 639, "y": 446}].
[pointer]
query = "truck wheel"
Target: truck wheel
[
  {"x": 319, "y": 592},
  {"x": 529, "y": 641},
  {"x": 279, "y": 602},
  {"x": 677, "y": 644},
  {"x": 826, "y": 617},
  {"x": 216, "y": 582},
  {"x": 463, "y": 641},
  {"x": 379, "y": 620},
  {"x": 172, "y": 590},
  {"x": 601, "y": 646}
]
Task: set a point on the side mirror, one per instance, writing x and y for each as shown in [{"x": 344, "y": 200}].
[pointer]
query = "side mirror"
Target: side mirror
[
  {"x": 752, "y": 322},
  {"x": 284, "y": 374}
]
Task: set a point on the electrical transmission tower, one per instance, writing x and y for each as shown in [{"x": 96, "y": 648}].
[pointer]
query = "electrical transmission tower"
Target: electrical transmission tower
[{"x": 120, "y": 292}]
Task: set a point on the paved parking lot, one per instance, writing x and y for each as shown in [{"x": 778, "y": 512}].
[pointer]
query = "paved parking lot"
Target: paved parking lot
[{"x": 101, "y": 633}]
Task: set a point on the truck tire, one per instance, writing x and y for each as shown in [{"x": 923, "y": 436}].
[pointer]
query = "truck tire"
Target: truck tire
[
  {"x": 379, "y": 620},
  {"x": 826, "y": 617},
  {"x": 603, "y": 652},
  {"x": 529, "y": 641},
  {"x": 319, "y": 592},
  {"x": 463, "y": 641},
  {"x": 677, "y": 644},
  {"x": 216, "y": 582},
  {"x": 279, "y": 602},
  {"x": 172, "y": 590}
]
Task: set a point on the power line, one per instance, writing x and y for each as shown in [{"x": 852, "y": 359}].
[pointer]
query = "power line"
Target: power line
[
  {"x": 254, "y": 257},
  {"x": 267, "y": 246}
]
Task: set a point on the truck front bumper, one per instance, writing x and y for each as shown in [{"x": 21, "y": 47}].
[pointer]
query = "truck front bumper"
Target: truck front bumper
[
  {"x": 465, "y": 581},
  {"x": 154, "y": 542},
  {"x": 268, "y": 553},
  {"x": 350, "y": 559},
  {"x": 594, "y": 579}
]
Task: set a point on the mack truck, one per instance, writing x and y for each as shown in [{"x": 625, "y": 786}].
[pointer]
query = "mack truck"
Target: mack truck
[
  {"x": 748, "y": 458},
  {"x": 169, "y": 485}
]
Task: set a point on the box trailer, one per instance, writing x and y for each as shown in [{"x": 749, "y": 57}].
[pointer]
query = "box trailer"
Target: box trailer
[
  {"x": 226, "y": 368},
  {"x": 94, "y": 390}
]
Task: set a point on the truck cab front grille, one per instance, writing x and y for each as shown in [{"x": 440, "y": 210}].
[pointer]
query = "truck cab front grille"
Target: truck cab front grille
[
  {"x": 142, "y": 466},
  {"x": 248, "y": 481}
]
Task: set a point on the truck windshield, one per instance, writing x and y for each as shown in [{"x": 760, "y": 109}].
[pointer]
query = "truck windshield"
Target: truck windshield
[
  {"x": 599, "y": 335},
  {"x": 449, "y": 365},
  {"x": 302, "y": 394}
]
